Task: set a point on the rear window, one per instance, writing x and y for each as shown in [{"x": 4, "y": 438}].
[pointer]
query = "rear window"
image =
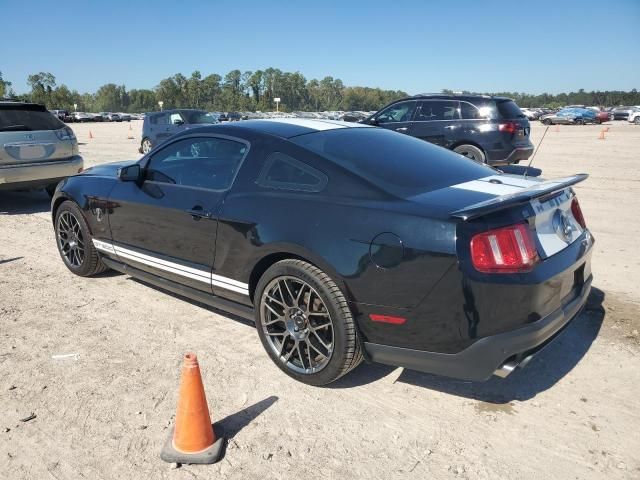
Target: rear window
[
  {"x": 509, "y": 109},
  {"x": 26, "y": 120},
  {"x": 399, "y": 164},
  {"x": 198, "y": 117}
]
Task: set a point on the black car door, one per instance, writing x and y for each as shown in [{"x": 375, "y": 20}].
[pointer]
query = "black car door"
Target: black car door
[
  {"x": 397, "y": 116},
  {"x": 437, "y": 121},
  {"x": 166, "y": 223}
]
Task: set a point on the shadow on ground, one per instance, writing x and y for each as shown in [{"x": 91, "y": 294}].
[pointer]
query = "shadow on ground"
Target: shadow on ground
[
  {"x": 542, "y": 373},
  {"x": 9, "y": 260},
  {"x": 21, "y": 203}
]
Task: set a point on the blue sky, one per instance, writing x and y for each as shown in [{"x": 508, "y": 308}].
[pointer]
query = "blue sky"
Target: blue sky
[{"x": 417, "y": 46}]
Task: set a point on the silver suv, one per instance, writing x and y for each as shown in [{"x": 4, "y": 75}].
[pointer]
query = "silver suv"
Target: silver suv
[{"x": 36, "y": 149}]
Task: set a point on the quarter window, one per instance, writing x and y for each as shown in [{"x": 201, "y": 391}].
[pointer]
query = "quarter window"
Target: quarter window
[
  {"x": 210, "y": 163},
  {"x": 284, "y": 172},
  {"x": 470, "y": 112},
  {"x": 176, "y": 119},
  {"x": 160, "y": 119},
  {"x": 399, "y": 112},
  {"x": 439, "y": 110}
]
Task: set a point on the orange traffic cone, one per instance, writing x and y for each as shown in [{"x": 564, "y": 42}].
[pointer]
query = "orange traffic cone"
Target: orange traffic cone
[
  {"x": 90, "y": 134},
  {"x": 557, "y": 129},
  {"x": 130, "y": 127},
  {"x": 606, "y": 129},
  {"x": 193, "y": 439},
  {"x": 601, "y": 136}
]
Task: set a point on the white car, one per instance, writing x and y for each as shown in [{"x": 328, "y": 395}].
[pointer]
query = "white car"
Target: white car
[{"x": 634, "y": 116}]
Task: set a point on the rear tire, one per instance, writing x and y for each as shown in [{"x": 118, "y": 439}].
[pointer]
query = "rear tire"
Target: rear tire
[
  {"x": 146, "y": 146},
  {"x": 579, "y": 121},
  {"x": 547, "y": 121},
  {"x": 74, "y": 241},
  {"x": 637, "y": 120},
  {"x": 305, "y": 324},
  {"x": 471, "y": 152}
]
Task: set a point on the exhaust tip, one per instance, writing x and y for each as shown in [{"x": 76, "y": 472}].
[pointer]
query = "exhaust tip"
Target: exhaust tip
[{"x": 505, "y": 370}]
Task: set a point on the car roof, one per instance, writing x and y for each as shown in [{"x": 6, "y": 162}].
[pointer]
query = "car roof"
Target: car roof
[
  {"x": 24, "y": 105},
  {"x": 289, "y": 127},
  {"x": 446, "y": 96}
]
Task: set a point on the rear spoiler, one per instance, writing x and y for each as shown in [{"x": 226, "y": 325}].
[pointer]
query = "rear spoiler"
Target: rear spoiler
[{"x": 518, "y": 198}]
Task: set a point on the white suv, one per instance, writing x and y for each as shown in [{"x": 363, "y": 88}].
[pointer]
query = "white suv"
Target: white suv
[{"x": 634, "y": 116}]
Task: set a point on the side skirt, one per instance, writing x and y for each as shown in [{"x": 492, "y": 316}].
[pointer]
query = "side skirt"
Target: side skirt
[{"x": 234, "y": 308}]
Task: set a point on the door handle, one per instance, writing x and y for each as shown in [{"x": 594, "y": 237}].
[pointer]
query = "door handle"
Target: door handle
[
  {"x": 198, "y": 212},
  {"x": 401, "y": 129}
]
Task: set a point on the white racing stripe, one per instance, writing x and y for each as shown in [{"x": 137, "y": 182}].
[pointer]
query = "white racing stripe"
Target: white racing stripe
[{"x": 176, "y": 268}]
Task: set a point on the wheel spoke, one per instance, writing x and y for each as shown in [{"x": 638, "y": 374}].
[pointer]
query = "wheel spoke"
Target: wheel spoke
[
  {"x": 275, "y": 300},
  {"x": 271, "y": 309},
  {"x": 311, "y": 345},
  {"x": 286, "y": 285}
]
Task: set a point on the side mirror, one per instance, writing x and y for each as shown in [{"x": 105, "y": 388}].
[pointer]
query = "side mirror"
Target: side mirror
[
  {"x": 371, "y": 121},
  {"x": 178, "y": 122},
  {"x": 131, "y": 173}
]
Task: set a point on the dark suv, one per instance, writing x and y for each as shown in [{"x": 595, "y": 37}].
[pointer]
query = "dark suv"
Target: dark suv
[
  {"x": 158, "y": 126},
  {"x": 487, "y": 129}
]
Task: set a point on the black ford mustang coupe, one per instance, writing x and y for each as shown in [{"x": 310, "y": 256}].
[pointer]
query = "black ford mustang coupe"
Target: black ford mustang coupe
[{"x": 341, "y": 241}]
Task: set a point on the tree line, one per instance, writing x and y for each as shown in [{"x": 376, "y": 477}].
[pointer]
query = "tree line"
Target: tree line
[
  {"x": 236, "y": 91},
  {"x": 256, "y": 91}
]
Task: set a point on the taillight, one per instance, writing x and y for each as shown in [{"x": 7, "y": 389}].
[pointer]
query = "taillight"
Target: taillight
[
  {"x": 504, "y": 250},
  {"x": 509, "y": 127},
  {"x": 65, "y": 134},
  {"x": 577, "y": 212}
]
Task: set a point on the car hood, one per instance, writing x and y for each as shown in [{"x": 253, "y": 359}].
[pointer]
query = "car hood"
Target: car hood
[{"x": 107, "y": 169}]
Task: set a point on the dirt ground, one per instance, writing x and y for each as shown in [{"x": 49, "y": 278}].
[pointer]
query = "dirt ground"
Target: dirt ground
[{"x": 104, "y": 412}]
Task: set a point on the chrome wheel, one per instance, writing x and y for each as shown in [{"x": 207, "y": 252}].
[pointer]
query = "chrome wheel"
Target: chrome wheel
[
  {"x": 297, "y": 324},
  {"x": 146, "y": 145},
  {"x": 70, "y": 239}
]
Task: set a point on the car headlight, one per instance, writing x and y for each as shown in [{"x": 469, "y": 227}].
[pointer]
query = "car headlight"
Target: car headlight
[{"x": 65, "y": 134}]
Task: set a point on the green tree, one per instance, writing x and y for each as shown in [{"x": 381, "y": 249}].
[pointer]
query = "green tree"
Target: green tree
[
  {"x": 42, "y": 85},
  {"x": 5, "y": 88}
]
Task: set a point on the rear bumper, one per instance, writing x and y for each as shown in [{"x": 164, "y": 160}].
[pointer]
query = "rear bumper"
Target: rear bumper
[
  {"x": 503, "y": 157},
  {"x": 488, "y": 355},
  {"x": 38, "y": 174}
]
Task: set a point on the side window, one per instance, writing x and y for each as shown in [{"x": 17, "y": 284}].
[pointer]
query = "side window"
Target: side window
[
  {"x": 176, "y": 119},
  {"x": 160, "y": 119},
  {"x": 400, "y": 112},
  {"x": 439, "y": 110},
  {"x": 284, "y": 172},
  {"x": 469, "y": 111},
  {"x": 204, "y": 162}
]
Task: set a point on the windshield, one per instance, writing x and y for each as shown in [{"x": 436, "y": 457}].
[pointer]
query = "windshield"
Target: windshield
[
  {"x": 198, "y": 117},
  {"x": 18, "y": 120},
  {"x": 399, "y": 164}
]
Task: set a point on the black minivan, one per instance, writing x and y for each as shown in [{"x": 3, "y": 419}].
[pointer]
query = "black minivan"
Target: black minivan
[{"x": 484, "y": 128}]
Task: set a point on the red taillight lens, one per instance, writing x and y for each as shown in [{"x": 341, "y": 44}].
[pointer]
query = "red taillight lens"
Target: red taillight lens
[
  {"x": 577, "y": 212},
  {"x": 509, "y": 127},
  {"x": 504, "y": 250}
]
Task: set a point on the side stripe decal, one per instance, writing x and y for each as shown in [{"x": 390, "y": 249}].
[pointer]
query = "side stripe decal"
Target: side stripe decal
[{"x": 176, "y": 268}]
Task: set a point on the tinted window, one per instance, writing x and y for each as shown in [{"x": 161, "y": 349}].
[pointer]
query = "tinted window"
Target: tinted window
[
  {"x": 399, "y": 112},
  {"x": 399, "y": 164},
  {"x": 198, "y": 162},
  {"x": 21, "y": 120},
  {"x": 470, "y": 112},
  {"x": 439, "y": 110},
  {"x": 198, "y": 117},
  {"x": 160, "y": 119},
  {"x": 509, "y": 109},
  {"x": 285, "y": 172}
]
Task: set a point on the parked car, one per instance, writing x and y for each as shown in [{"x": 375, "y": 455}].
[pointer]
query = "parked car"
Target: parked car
[
  {"x": 234, "y": 116},
  {"x": 125, "y": 117},
  {"x": 570, "y": 116},
  {"x": 111, "y": 117},
  {"x": 634, "y": 116},
  {"x": 341, "y": 240},
  {"x": 36, "y": 149},
  {"x": 621, "y": 113},
  {"x": 602, "y": 116},
  {"x": 158, "y": 126},
  {"x": 96, "y": 117},
  {"x": 62, "y": 115},
  {"x": 486, "y": 129},
  {"x": 82, "y": 117},
  {"x": 531, "y": 114}
]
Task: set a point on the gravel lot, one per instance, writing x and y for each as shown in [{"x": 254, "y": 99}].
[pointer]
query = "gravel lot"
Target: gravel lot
[{"x": 105, "y": 412}]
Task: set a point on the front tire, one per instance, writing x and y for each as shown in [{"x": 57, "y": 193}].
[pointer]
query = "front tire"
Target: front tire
[
  {"x": 305, "y": 324},
  {"x": 74, "y": 241},
  {"x": 471, "y": 152},
  {"x": 637, "y": 120},
  {"x": 547, "y": 121},
  {"x": 146, "y": 146}
]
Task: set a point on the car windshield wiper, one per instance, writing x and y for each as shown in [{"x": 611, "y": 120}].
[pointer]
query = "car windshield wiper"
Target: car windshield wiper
[{"x": 14, "y": 128}]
